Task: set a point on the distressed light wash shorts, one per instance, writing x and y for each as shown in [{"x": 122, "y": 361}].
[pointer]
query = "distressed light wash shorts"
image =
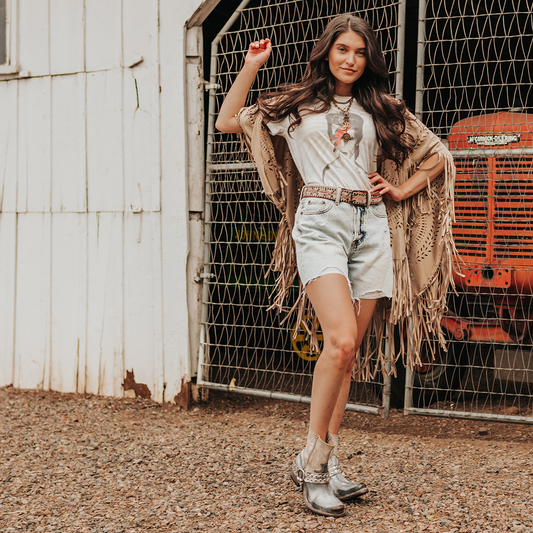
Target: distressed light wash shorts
[{"x": 350, "y": 240}]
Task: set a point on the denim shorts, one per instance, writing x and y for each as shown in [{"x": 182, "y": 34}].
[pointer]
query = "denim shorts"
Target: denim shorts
[{"x": 350, "y": 240}]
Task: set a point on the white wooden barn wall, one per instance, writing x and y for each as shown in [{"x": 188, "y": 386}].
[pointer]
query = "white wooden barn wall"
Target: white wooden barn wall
[{"x": 93, "y": 198}]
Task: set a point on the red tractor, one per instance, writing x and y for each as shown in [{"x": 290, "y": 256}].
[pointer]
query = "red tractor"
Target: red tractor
[
  {"x": 494, "y": 222},
  {"x": 493, "y": 233}
]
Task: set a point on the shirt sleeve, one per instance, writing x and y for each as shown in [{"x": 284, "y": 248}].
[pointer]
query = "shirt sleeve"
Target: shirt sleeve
[{"x": 278, "y": 128}]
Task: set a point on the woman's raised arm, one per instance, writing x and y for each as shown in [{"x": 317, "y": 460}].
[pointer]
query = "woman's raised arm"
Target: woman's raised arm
[{"x": 258, "y": 53}]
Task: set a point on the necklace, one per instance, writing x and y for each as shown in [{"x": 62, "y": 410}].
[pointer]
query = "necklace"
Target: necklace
[{"x": 346, "y": 120}]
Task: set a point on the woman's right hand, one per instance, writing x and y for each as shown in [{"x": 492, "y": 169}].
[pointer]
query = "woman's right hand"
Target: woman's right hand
[{"x": 258, "y": 53}]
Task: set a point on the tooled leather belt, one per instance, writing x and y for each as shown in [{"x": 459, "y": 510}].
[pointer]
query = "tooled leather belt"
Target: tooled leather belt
[{"x": 337, "y": 194}]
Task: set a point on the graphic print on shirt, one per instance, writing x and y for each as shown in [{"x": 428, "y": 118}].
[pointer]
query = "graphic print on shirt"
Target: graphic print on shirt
[
  {"x": 323, "y": 156},
  {"x": 335, "y": 132},
  {"x": 348, "y": 148}
]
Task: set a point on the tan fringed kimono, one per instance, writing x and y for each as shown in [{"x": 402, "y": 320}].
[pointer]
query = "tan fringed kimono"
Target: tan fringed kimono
[{"x": 421, "y": 238}]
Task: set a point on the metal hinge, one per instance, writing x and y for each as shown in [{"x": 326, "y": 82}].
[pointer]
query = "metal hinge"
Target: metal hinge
[
  {"x": 211, "y": 86},
  {"x": 202, "y": 276}
]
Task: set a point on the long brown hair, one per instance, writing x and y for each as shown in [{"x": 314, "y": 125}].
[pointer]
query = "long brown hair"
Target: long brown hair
[{"x": 315, "y": 91}]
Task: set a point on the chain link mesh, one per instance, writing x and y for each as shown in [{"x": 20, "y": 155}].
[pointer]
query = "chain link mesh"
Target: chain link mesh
[
  {"x": 476, "y": 91},
  {"x": 477, "y": 59},
  {"x": 245, "y": 344}
]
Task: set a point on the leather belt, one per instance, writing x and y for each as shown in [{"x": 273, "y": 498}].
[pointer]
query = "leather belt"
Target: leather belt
[{"x": 337, "y": 194}]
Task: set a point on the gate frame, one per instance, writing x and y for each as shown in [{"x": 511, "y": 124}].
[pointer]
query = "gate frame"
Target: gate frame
[
  {"x": 382, "y": 410},
  {"x": 409, "y": 374}
]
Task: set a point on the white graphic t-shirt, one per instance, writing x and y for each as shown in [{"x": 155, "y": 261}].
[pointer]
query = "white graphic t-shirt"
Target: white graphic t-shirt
[{"x": 323, "y": 156}]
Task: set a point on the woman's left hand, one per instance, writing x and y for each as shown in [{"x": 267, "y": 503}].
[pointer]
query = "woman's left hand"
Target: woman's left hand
[{"x": 386, "y": 189}]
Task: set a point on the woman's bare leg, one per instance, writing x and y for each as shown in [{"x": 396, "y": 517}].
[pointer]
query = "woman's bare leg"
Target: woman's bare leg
[
  {"x": 331, "y": 299},
  {"x": 363, "y": 317}
]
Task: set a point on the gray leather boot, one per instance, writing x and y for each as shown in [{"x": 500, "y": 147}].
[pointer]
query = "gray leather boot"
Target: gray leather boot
[
  {"x": 310, "y": 470},
  {"x": 342, "y": 488}
]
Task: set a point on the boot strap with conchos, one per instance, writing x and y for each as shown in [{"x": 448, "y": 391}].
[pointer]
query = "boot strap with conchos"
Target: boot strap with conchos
[{"x": 309, "y": 477}]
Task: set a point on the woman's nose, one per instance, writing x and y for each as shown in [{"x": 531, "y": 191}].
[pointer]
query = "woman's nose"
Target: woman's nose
[{"x": 350, "y": 59}]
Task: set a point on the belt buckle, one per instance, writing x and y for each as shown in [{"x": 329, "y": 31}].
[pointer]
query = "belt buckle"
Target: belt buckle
[{"x": 368, "y": 198}]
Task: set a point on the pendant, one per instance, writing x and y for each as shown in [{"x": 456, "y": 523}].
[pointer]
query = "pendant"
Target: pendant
[{"x": 346, "y": 126}]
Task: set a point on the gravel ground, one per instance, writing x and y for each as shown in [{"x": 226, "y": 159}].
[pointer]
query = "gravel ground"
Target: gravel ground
[{"x": 83, "y": 463}]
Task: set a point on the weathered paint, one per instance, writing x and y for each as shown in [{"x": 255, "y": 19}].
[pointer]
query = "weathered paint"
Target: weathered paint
[
  {"x": 103, "y": 370},
  {"x": 184, "y": 398},
  {"x": 68, "y": 299},
  {"x": 196, "y": 171},
  {"x": 94, "y": 217},
  {"x": 8, "y": 247},
  {"x": 140, "y": 389},
  {"x": 68, "y": 144},
  {"x": 174, "y": 205},
  {"x": 34, "y": 154},
  {"x": 8, "y": 146},
  {"x": 105, "y": 137},
  {"x": 32, "y": 306}
]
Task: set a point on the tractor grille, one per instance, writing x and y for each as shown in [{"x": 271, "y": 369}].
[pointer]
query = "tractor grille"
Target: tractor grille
[
  {"x": 500, "y": 230},
  {"x": 513, "y": 207},
  {"x": 471, "y": 206}
]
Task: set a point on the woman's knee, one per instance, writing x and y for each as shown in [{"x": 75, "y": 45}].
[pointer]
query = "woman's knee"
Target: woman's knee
[{"x": 341, "y": 349}]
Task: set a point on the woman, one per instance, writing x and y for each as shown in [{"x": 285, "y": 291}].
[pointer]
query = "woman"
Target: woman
[{"x": 341, "y": 127}]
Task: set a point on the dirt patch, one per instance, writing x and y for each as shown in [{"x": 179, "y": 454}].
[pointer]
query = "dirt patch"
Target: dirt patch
[{"x": 89, "y": 464}]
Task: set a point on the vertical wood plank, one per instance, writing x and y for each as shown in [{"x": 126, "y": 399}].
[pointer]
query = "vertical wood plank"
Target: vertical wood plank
[
  {"x": 105, "y": 320},
  {"x": 34, "y": 154},
  {"x": 32, "y": 309},
  {"x": 8, "y": 146},
  {"x": 33, "y": 39},
  {"x": 174, "y": 213},
  {"x": 68, "y": 297},
  {"x": 196, "y": 185},
  {"x": 141, "y": 107},
  {"x": 194, "y": 116},
  {"x": 142, "y": 300},
  {"x": 105, "y": 175},
  {"x": 67, "y": 31},
  {"x": 69, "y": 167},
  {"x": 8, "y": 254},
  {"x": 103, "y": 34},
  {"x": 140, "y": 30}
]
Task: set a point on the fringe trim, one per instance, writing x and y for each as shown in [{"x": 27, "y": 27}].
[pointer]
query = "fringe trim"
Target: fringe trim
[
  {"x": 372, "y": 346},
  {"x": 284, "y": 262},
  {"x": 430, "y": 305},
  {"x": 417, "y": 317}
]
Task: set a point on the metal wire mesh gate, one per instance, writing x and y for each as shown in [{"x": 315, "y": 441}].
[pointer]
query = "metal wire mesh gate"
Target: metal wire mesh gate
[
  {"x": 243, "y": 346},
  {"x": 474, "y": 87}
]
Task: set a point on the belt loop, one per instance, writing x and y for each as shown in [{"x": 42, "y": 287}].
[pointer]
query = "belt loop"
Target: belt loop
[
  {"x": 302, "y": 193},
  {"x": 338, "y": 196},
  {"x": 368, "y": 198}
]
